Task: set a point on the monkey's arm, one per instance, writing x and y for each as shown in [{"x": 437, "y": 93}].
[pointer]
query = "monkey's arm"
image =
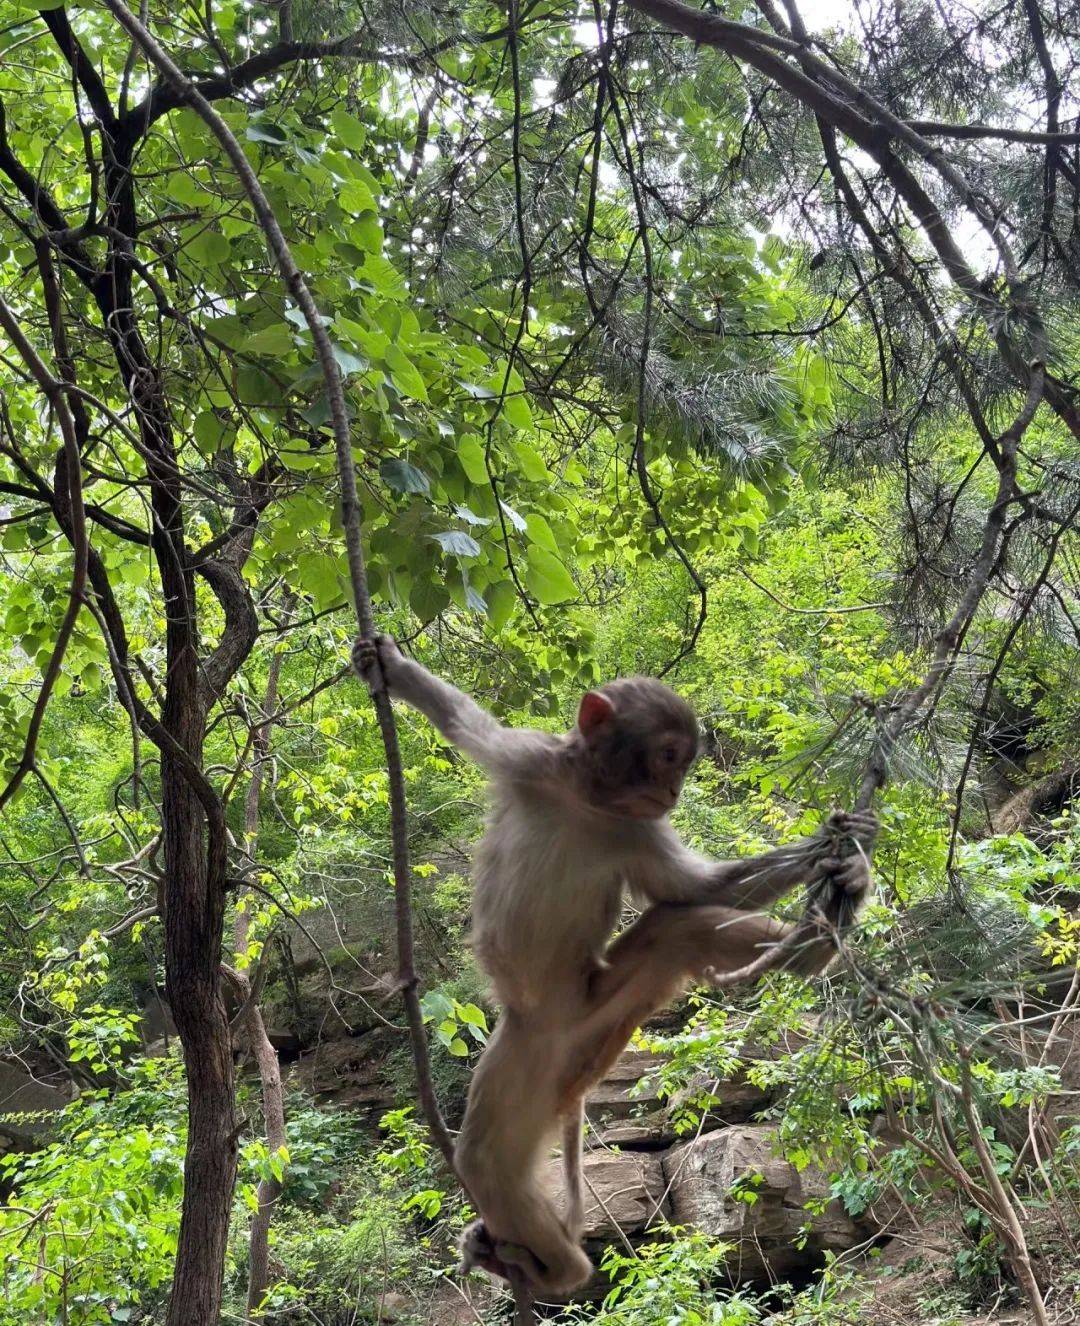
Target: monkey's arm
[
  {"x": 460, "y": 719},
  {"x": 671, "y": 872}
]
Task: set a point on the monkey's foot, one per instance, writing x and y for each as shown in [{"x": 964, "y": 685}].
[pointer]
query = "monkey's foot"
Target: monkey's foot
[
  {"x": 516, "y": 1257},
  {"x": 852, "y": 828},
  {"x": 479, "y": 1249}
]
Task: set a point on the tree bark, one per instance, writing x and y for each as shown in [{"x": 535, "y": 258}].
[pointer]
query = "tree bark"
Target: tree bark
[{"x": 194, "y": 905}]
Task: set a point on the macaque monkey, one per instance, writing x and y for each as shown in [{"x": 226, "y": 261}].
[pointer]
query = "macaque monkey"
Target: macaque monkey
[{"x": 577, "y": 821}]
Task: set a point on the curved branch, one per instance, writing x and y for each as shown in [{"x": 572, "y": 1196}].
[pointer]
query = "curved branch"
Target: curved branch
[
  {"x": 188, "y": 94},
  {"x": 1037, "y": 137},
  {"x": 69, "y": 472}
]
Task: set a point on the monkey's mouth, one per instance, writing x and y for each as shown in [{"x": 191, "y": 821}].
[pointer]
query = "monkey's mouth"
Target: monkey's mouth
[{"x": 648, "y": 806}]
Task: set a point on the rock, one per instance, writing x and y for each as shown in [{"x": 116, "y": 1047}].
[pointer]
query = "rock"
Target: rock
[
  {"x": 156, "y": 1022},
  {"x": 623, "y": 1190},
  {"x": 393, "y": 1306},
  {"x": 21, "y": 1094},
  {"x": 651, "y": 1132},
  {"x": 765, "y": 1231},
  {"x": 612, "y": 1098},
  {"x": 624, "y": 1117},
  {"x": 348, "y": 1072},
  {"x": 285, "y": 1042}
]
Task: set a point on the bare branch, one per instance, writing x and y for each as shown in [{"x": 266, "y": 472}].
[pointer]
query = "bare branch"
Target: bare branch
[{"x": 69, "y": 491}]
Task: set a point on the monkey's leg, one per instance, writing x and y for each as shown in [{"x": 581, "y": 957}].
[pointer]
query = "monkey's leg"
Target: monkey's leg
[
  {"x": 573, "y": 1122},
  {"x": 651, "y": 962},
  {"x": 513, "y": 1111}
]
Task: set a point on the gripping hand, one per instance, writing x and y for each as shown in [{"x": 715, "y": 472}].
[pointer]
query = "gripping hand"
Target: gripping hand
[{"x": 376, "y": 659}]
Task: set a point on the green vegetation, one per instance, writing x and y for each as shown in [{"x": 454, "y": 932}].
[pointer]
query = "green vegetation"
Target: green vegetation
[{"x": 665, "y": 351}]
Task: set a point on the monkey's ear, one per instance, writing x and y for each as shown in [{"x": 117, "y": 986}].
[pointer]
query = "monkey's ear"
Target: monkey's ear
[{"x": 595, "y": 710}]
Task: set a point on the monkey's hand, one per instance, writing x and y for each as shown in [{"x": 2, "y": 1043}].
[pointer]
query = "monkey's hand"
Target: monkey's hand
[{"x": 377, "y": 657}]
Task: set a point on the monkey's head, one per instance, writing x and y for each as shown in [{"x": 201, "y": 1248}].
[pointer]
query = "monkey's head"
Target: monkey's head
[{"x": 633, "y": 744}]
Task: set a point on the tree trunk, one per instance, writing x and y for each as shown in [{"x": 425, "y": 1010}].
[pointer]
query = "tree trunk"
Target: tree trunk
[
  {"x": 193, "y": 917},
  {"x": 269, "y": 1188},
  {"x": 194, "y": 886}
]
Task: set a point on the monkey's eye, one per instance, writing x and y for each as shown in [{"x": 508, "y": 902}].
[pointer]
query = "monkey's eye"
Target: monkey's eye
[{"x": 669, "y": 754}]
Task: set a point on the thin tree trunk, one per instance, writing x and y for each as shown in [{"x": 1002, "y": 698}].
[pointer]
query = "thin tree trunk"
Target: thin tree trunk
[
  {"x": 273, "y": 1098},
  {"x": 1010, "y": 1229}
]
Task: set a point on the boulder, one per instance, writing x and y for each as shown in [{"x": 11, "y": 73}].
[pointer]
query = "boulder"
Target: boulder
[
  {"x": 348, "y": 1073},
  {"x": 623, "y": 1116},
  {"x": 623, "y": 1190},
  {"x": 25, "y": 1105},
  {"x": 615, "y": 1096},
  {"x": 767, "y": 1227},
  {"x": 156, "y": 1020}
]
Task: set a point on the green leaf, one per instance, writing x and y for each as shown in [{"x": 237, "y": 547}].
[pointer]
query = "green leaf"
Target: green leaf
[
  {"x": 515, "y": 405},
  {"x": 428, "y": 598},
  {"x": 547, "y": 578},
  {"x": 276, "y": 340},
  {"x": 436, "y": 1004},
  {"x": 347, "y": 361},
  {"x": 501, "y": 600},
  {"x": 318, "y": 412},
  {"x": 368, "y": 233},
  {"x": 349, "y": 129},
  {"x": 532, "y": 463},
  {"x": 402, "y": 477},
  {"x": 263, "y": 131},
  {"x": 472, "y": 1015},
  {"x": 357, "y": 198},
  {"x": 211, "y": 248},
  {"x": 540, "y": 533},
  {"x": 458, "y": 1048},
  {"x": 471, "y": 454},
  {"x": 457, "y": 542},
  {"x": 406, "y": 376},
  {"x": 210, "y": 432}
]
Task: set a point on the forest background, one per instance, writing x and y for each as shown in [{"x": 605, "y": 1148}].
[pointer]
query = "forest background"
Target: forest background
[{"x": 737, "y": 346}]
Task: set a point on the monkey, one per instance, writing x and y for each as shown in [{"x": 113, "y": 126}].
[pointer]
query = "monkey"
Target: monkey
[{"x": 576, "y": 823}]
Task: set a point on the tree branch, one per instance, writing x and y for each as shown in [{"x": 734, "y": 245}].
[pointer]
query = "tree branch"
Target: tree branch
[
  {"x": 69, "y": 472},
  {"x": 166, "y": 94},
  {"x": 1037, "y": 137},
  {"x": 56, "y": 20}
]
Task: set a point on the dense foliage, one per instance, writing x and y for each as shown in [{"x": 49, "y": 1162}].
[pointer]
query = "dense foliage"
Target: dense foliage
[{"x": 678, "y": 342}]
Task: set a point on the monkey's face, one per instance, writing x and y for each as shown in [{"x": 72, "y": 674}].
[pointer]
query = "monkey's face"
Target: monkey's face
[{"x": 638, "y": 741}]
